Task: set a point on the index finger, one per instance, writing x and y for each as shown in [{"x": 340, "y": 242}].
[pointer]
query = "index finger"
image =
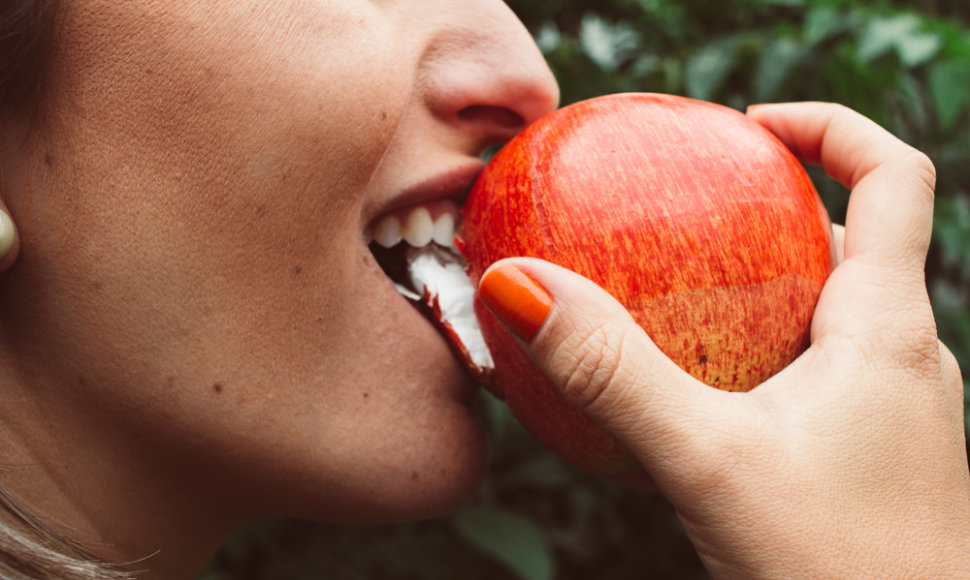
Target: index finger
[{"x": 890, "y": 214}]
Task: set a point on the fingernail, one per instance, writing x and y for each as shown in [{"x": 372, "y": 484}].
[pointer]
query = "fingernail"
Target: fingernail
[{"x": 517, "y": 300}]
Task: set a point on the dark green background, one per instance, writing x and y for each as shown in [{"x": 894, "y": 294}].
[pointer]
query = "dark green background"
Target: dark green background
[{"x": 905, "y": 64}]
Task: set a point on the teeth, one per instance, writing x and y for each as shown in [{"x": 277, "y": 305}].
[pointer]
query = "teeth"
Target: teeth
[
  {"x": 387, "y": 232},
  {"x": 444, "y": 230},
  {"x": 417, "y": 227}
]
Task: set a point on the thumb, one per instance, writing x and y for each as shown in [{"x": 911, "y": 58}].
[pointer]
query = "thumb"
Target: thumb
[{"x": 598, "y": 357}]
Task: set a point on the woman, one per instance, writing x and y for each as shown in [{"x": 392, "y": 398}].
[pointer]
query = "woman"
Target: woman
[{"x": 194, "y": 332}]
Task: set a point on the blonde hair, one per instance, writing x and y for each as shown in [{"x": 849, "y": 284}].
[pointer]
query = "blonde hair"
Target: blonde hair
[{"x": 30, "y": 551}]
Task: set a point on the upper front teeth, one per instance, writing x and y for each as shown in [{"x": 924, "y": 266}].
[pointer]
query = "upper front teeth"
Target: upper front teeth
[
  {"x": 416, "y": 226},
  {"x": 444, "y": 230},
  {"x": 419, "y": 228}
]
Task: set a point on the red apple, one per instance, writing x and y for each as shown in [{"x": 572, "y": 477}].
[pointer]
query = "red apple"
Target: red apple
[{"x": 697, "y": 219}]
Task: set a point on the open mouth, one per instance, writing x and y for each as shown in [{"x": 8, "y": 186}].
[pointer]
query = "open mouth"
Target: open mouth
[{"x": 415, "y": 249}]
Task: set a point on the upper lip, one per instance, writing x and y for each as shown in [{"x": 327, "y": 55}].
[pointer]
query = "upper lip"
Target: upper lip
[{"x": 453, "y": 184}]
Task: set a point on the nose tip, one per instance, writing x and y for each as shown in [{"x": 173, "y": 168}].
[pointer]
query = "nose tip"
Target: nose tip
[
  {"x": 499, "y": 112},
  {"x": 488, "y": 78}
]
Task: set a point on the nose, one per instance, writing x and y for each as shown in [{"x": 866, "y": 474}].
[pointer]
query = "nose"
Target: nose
[{"x": 484, "y": 76}]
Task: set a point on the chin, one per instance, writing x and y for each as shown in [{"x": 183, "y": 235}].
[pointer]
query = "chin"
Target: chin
[
  {"x": 424, "y": 469},
  {"x": 432, "y": 452},
  {"x": 447, "y": 473}
]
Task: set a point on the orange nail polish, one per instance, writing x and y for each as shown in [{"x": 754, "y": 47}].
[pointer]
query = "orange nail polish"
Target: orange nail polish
[{"x": 517, "y": 300}]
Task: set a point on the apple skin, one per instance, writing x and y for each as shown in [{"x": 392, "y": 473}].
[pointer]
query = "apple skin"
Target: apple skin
[{"x": 696, "y": 218}]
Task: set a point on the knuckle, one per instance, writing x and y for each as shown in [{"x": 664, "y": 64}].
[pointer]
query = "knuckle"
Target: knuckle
[
  {"x": 922, "y": 355},
  {"x": 914, "y": 351},
  {"x": 924, "y": 165},
  {"x": 948, "y": 360},
  {"x": 922, "y": 168},
  {"x": 840, "y": 110},
  {"x": 595, "y": 362},
  {"x": 896, "y": 335}
]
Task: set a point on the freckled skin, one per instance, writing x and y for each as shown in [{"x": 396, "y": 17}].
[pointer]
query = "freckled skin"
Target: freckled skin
[{"x": 694, "y": 217}]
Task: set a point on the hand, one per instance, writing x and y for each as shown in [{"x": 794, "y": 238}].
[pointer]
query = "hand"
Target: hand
[{"x": 850, "y": 462}]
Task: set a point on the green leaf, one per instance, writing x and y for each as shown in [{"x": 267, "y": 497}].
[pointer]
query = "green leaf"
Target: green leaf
[
  {"x": 777, "y": 62},
  {"x": 510, "y": 538},
  {"x": 606, "y": 44},
  {"x": 823, "y": 22},
  {"x": 902, "y": 33},
  {"x": 882, "y": 34},
  {"x": 951, "y": 229},
  {"x": 917, "y": 48},
  {"x": 546, "y": 470},
  {"x": 708, "y": 67},
  {"x": 948, "y": 83},
  {"x": 498, "y": 417}
]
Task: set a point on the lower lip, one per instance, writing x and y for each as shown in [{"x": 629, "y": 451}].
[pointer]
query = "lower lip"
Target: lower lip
[
  {"x": 468, "y": 385},
  {"x": 464, "y": 384}
]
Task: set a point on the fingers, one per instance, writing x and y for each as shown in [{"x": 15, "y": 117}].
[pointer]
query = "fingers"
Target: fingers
[
  {"x": 603, "y": 362},
  {"x": 876, "y": 296},
  {"x": 889, "y": 220}
]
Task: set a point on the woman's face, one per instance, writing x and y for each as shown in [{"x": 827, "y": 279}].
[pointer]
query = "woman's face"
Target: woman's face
[{"x": 194, "y": 208}]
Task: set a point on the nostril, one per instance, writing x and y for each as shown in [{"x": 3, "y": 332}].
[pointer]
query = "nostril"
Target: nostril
[{"x": 489, "y": 114}]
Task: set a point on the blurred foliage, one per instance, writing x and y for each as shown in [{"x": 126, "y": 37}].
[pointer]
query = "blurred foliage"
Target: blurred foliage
[{"x": 904, "y": 64}]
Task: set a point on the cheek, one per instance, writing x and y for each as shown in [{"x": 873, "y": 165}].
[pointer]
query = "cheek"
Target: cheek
[
  {"x": 194, "y": 233},
  {"x": 212, "y": 110},
  {"x": 216, "y": 170},
  {"x": 197, "y": 208}
]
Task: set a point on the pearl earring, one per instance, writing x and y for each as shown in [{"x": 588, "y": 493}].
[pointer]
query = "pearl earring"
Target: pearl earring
[{"x": 7, "y": 234}]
